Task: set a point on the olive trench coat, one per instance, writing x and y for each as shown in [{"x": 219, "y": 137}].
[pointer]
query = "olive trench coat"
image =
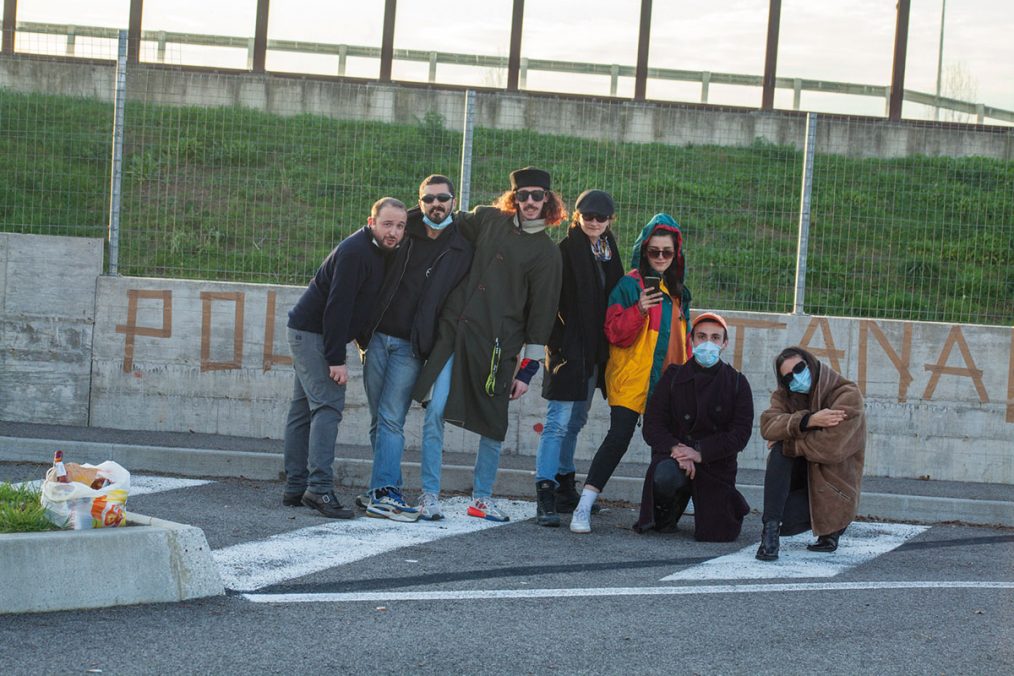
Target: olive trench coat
[
  {"x": 834, "y": 455},
  {"x": 507, "y": 301}
]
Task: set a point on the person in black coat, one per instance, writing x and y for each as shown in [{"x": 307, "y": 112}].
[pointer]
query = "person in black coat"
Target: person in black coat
[
  {"x": 577, "y": 350},
  {"x": 698, "y": 420}
]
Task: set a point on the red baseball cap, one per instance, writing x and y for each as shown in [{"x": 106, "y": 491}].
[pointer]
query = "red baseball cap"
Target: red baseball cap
[{"x": 709, "y": 317}]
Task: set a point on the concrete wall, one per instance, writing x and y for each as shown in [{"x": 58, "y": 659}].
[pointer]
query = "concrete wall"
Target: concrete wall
[
  {"x": 47, "y": 313},
  {"x": 211, "y": 357},
  {"x": 675, "y": 124}
]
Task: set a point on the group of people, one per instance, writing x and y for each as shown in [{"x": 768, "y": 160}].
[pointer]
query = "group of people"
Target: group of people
[{"x": 457, "y": 310}]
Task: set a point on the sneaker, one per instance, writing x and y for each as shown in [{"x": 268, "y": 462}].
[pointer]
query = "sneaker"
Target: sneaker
[
  {"x": 387, "y": 503},
  {"x": 363, "y": 500},
  {"x": 327, "y": 504},
  {"x": 292, "y": 499},
  {"x": 429, "y": 507},
  {"x": 485, "y": 508},
  {"x": 581, "y": 521}
]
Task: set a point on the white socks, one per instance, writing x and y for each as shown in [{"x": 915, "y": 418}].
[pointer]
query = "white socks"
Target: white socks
[{"x": 588, "y": 497}]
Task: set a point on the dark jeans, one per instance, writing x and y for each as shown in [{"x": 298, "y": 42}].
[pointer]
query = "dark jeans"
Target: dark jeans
[
  {"x": 622, "y": 422},
  {"x": 671, "y": 490},
  {"x": 786, "y": 496}
]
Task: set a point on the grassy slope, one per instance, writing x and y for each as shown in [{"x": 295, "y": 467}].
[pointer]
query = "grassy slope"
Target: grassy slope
[{"x": 218, "y": 193}]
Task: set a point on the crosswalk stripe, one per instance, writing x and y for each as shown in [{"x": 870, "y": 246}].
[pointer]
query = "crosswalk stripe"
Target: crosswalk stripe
[
  {"x": 249, "y": 566},
  {"x": 687, "y": 590},
  {"x": 862, "y": 542}
]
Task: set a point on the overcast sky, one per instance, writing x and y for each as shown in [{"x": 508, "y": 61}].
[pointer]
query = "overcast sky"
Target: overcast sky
[{"x": 846, "y": 40}]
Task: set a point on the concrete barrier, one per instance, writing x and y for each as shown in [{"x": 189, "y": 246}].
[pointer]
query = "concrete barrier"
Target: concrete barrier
[
  {"x": 148, "y": 561},
  {"x": 179, "y": 355}
]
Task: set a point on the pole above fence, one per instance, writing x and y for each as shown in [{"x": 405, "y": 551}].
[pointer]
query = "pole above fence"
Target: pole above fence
[
  {"x": 134, "y": 31},
  {"x": 387, "y": 40},
  {"x": 900, "y": 52},
  {"x": 10, "y": 23},
  {"x": 514, "y": 58},
  {"x": 771, "y": 55},
  {"x": 643, "y": 41},
  {"x": 260, "y": 43}
]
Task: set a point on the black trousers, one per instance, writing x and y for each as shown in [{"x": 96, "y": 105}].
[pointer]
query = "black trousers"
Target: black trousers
[
  {"x": 622, "y": 423},
  {"x": 786, "y": 492},
  {"x": 671, "y": 491}
]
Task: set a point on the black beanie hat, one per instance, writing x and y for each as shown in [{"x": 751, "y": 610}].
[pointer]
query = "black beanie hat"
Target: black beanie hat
[
  {"x": 530, "y": 177},
  {"x": 595, "y": 202}
]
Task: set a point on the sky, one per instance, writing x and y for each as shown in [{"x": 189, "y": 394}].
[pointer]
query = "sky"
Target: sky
[{"x": 844, "y": 41}]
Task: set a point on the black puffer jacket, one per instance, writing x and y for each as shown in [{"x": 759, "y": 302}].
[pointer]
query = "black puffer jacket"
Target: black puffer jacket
[
  {"x": 578, "y": 342},
  {"x": 442, "y": 277}
]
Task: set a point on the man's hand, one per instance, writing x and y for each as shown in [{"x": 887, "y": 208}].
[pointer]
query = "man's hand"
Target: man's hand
[
  {"x": 684, "y": 452},
  {"x": 688, "y": 467},
  {"x": 518, "y": 389},
  {"x": 826, "y": 417},
  {"x": 339, "y": 374}
]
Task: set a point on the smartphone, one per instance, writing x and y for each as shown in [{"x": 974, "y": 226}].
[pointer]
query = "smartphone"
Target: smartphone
[{"x": 652, "y": 283}]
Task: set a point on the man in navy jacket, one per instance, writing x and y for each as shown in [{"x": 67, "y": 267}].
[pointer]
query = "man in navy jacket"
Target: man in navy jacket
[{"x": 334, "y": 309}]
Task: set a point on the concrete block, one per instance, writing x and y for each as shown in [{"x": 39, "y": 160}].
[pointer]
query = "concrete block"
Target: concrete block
[{"x": 148, "y": 561}]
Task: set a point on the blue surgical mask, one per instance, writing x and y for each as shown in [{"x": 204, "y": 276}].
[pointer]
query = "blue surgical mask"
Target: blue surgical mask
[
  {"x": 706, "y": 354},
  {"x": 438, "y": 226},
  {"x": 801, "y": 382}
]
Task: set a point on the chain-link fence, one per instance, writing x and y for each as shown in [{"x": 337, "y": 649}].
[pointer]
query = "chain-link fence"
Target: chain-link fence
[{"x": 233, "y": 176}]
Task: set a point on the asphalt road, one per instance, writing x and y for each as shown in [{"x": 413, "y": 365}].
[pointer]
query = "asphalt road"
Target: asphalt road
[{"x": 519, "y": 598}]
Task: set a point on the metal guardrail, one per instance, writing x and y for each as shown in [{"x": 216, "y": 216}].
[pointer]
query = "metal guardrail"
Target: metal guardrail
[{"x": 435, "y": 58}]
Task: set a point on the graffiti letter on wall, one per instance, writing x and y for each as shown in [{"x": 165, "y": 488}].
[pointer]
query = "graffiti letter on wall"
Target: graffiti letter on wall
[
  {"x": 237, "y": 333},
  {"x": 131, "y": 329},
  {"x": 955, "y": 336},
  {"x": 900, "y": 363},
  {"x": 270, "y": 358},
  {"x": 833, "y": 354},
  {"x": 741, "y": 326}
]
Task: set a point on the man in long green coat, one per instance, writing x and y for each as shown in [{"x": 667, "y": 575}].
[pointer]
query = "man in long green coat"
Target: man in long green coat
[{"x": 502, "y": 312}]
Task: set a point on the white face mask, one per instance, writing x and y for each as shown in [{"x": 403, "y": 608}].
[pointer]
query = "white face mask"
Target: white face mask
[{"x": 706, "y": 354}]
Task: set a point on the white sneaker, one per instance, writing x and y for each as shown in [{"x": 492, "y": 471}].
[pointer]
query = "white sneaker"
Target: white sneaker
[
  {"x": 581, "y": 521},
  {"x": 429, "y": 507}
]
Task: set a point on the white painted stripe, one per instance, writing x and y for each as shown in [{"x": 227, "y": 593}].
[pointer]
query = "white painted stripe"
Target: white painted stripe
[
  {"x": 142, "y": 485},
  {"x": 482, "y": 594},
  {"x": 862, "y": 542},
  {"x": 253, "y": 565}
]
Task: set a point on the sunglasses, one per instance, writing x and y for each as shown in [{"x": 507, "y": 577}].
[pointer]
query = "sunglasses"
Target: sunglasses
[
  {"x": 598, "y": 218},
  {"x": 535, "y": 195},
  {"x": 664, "y": 254},
  {"x": 786, "y": 378},
  {"x": 439, "y": 197}
]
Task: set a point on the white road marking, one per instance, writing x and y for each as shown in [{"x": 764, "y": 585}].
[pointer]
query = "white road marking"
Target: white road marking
[
  {"x": 253, "y": 565},
  {"x": 862, "y": 542},
  {"x": 142, "y": 485},
  {"x": 482, "y": 594}
]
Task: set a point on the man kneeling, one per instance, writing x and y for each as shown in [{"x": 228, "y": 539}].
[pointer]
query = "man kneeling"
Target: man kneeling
[{"x": 697, "y": 421}]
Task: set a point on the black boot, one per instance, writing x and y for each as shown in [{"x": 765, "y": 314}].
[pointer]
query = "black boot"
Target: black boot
[
  {"x": 768, "y": 550},
  {"x": 826, "y": 543},
  {"x": 546, "y": 504},
  {"x": 567, "y": 496}
]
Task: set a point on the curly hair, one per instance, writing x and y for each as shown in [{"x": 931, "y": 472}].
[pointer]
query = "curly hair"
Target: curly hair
[{"x": 553, "y": 210}]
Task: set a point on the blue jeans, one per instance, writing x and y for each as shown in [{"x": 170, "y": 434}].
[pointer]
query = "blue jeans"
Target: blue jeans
[
  {"x": 314, "y": 413},
  {"x": 564, "y": 421},
  {"x": 487, "y": 460},
  {"x": 389, "y": 375}
]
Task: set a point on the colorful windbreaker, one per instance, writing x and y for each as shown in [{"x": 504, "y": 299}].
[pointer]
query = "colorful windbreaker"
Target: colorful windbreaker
[{"x": 641, "y": 347}]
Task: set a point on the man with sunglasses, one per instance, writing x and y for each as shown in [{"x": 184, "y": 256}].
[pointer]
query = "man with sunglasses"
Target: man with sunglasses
[
  {"x": 494, "y": 328},
  {"x": 431, "y": 261},
  {"x": 697, "y": 421}
]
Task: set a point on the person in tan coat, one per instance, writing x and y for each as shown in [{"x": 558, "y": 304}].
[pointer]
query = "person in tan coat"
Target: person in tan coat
[{"x": 816, "y": 430}]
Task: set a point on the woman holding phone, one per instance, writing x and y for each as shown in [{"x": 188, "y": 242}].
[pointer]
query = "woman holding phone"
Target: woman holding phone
[
  {"x": 577, "y": 350},
  {"x": 646, "y": 326}
]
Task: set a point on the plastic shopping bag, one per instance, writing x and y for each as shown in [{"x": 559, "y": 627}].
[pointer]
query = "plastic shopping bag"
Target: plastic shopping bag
[{"x": 78, "y": 505}]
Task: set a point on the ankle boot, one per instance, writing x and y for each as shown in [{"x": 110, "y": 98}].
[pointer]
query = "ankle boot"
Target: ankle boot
[
  {"x": 546, "y": 504},
  {"x": 826, "y": 543},
  {"x": 567, "y": 496},
  {"x": 768, "y": 550}
]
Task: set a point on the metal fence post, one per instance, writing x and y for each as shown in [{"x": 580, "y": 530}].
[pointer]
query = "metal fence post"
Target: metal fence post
[
  {"x": 465, "y": 189},
  {"x": 119, "y": 101},
  {"x": 804, "y": 214}
]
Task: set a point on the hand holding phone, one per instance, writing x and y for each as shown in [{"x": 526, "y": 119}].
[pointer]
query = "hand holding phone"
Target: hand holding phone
[{"x": 651, "y": 295}]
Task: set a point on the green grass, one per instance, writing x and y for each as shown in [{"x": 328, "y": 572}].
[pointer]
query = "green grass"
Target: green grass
[
  {"x": 21, "y": 511},
  {"x": 242, "y": 195}
]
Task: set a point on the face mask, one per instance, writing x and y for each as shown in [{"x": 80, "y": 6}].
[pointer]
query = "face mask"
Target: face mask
[
  {"x": 438, "y": 226},
  {"x": 706, "y": 354},
  {"x": 801, "y": 381}
]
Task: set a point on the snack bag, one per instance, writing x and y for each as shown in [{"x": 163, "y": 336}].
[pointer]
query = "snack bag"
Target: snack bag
[{"x": 76, "y": 504}]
